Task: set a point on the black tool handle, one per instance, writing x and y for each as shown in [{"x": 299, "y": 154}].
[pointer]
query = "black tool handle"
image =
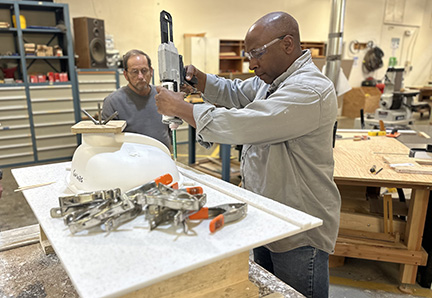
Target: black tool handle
[
  {"x": 166, "y": 27},
  {"x": 192, "y": 81}
]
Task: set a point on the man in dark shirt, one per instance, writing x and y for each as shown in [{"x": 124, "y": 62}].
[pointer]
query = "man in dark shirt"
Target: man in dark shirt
[{"x": 135, "y": 102}]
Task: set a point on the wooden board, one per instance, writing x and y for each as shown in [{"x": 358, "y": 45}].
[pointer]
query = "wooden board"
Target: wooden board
[
  {"x": 19, "y": 237},
  {"x": 349, "y": 248},
  {"x": 207, "y": 281},
  {"x": 114, "y": 126},
  {"x": 404, "y": 164},
  {"x": 369, "y": 223},
  {"x": 353, "y": 161},
  {"x": 403, "y": 159}
]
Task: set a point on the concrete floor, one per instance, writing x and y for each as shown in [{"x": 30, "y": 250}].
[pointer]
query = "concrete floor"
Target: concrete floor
[{"x": 357, "y": 278}]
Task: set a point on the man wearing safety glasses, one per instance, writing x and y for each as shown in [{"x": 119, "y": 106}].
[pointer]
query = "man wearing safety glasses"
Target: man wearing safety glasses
[
  {"x": 135, "y": 102},
  {"x": 284, "y": 117}
]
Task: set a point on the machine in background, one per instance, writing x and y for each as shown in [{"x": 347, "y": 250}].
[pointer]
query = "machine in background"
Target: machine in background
[{"x": 395, "y": 106}]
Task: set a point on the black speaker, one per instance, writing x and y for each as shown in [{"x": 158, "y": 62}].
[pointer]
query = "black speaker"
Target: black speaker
[{"x": 90, "y": 42}]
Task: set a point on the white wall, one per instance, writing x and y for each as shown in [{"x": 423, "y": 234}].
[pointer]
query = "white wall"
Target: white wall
[{"x": 135, "y": 24}]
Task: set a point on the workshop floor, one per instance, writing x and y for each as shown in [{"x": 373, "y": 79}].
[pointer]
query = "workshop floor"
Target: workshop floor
[{"x": 27, "y": 272}]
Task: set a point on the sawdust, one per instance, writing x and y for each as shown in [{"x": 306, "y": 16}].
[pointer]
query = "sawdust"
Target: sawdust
[{"x": 28, "y": 272}]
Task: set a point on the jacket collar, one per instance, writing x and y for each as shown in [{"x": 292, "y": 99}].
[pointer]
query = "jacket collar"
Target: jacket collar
[{"x": 302, "y": 60}]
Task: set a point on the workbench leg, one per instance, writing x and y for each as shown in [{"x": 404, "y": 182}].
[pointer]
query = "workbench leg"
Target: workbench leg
[
  {"x": 414, "y": 231},
  {"x": 388, "y": 213},
  {"x": 44, "y": 242},
  {"x": 225, "y": 153},
  {"x": 191, "y": 145}
]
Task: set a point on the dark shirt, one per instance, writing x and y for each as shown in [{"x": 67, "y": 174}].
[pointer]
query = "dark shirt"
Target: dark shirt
[{"x": 140, "y": 113}]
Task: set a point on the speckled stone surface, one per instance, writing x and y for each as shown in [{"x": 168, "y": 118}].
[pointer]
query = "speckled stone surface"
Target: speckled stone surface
[{"x": 133, "y": 257}]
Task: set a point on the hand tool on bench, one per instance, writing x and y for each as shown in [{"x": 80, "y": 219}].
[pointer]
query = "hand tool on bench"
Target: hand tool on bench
[
  {"x": 221, "y": 214},
  {"x": 110, "y": 208}
]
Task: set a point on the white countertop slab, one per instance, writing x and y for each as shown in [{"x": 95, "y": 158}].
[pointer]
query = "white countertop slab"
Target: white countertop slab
[{"x": 132, "y": 257}]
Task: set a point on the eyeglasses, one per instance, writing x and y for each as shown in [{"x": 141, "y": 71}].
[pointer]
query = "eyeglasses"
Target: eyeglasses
[
  {"x": 135, "y": 72},
  {"x": 257, "y": 53}
]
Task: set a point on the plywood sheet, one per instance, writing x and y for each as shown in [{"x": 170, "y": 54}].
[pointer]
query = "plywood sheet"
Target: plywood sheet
[{"x": 353, "y": 161}]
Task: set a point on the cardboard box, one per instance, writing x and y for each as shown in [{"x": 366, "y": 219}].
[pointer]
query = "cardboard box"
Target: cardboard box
[
  {"x": 49, "y": 51},
  {"x": 366, "y": 98},
  {"x": 40, "y": 50}
]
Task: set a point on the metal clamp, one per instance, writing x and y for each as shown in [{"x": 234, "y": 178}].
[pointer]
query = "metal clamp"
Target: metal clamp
[
  {"x": 221, "y": 214},
  {"x": 110, "y": 208}
]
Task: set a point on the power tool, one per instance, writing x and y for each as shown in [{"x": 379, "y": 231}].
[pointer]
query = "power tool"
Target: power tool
[{"x": 171, "y": 70}]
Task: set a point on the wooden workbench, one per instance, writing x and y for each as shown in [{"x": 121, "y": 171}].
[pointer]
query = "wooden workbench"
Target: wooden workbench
[
  {"x": 361, "y": 233},
  {"x": 133, "y": 261}
]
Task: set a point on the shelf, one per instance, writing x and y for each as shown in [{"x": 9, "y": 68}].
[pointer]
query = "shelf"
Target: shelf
[
  {"x": 48, "y": 84},
  {"x": 38, "y": 109},
  {"x": 10, "y": 57},
  {"x": 29, "y": 57},
  {"x": 8, "y": 30},
  {"x": 231, "y": 62},
  {"x": 38, "y": 5},
  {"x": 34, "y": 30},
  {"x": 230, "y": 57},
  {"x": 317, "y": 48},
  {"x": 2, "y": 86}
]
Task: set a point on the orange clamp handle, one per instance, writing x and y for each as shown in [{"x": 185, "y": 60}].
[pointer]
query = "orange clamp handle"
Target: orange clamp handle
[
  {"x": 217, "y": 223},
  {"x": 393, "y": 135},
  {"x": 201, "y": 214},
  {"x": 194, "y": 190},
  {"x": 164, "y": 179}
]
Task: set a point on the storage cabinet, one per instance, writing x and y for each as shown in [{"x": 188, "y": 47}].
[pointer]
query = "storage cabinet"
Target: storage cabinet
[
  {"x": 16, "y": 144},
  {"x": 36, "y": 114},
  {"x": 38, "y": 41},
  {"x": 94, "y": 85},
  {"x": 233, "y": 63},
  {"x": 317, "y": 48},
  {"x": 53, "y": 115},
  {"x": 231, "y": 56}
]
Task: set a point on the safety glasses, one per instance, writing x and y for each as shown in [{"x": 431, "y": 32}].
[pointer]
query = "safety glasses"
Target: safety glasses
[{"x": 257, "y": 53}]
